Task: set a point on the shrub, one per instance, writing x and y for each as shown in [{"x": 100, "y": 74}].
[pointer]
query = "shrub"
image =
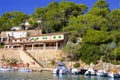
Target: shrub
[
  {"x": 12, "y": 61},
  {"x": 62, "y": 59},
  {"x": 76, "y": 65},
  {"x": 2, "y": 45},
  {"x": 52, "y": 62}
]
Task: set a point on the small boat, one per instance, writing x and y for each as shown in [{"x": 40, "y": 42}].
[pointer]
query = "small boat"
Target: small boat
[
  {"x": 101, "y": 73},
  {"x": 90, "y": 72},
  {"x": 4, "y": 68},
  {"x": 25, "y": 70},
  {"x": 113, "y": 73},
  {"x": 75, "y": 71},
  {"x": 61, "y": 69},
  {"x": 56, "y": 71}
]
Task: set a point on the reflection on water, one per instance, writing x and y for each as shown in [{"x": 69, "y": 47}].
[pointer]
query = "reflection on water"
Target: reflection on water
[
  {"x": 25, "y": 76},
  {"x": 47, "y": 76},
  {"x": 66, "y": 77},
  {"x": 81, "y": 77}
]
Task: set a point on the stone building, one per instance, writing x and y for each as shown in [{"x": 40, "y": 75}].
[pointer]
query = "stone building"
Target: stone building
[
  {"x": 5, "y": 35},
  {"x": 31, "y": 40}
]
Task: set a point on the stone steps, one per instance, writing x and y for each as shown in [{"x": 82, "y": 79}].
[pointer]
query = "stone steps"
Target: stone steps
[{"x": 27, "y": 59}]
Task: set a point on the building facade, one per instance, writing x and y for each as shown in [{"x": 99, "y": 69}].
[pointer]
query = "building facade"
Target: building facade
[
  {"x": 41, "y": 41},
  {"x": 5, "y": 35}
]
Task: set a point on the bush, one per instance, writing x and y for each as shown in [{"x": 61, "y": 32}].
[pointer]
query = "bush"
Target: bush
[
  {"x": 62, "y": 59},
  {"x": 2, "y": 45},
  {"x": 76, "y": 65},
  {"x": 12, "y": 61},
  {"x": 52, "y": 62}
]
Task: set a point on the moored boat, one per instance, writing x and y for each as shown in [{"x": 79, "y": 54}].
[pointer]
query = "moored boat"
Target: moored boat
[
  {"x": 75, "y": 71},
  {"x": 101, "y": 73},
  {"x": 61, "y": 69},
  {"x": 25, "y": 70},
  {"x": 90, "y": 72},
  {"x": 5, "y": 68},
  {"x": 114, "y": 73}
]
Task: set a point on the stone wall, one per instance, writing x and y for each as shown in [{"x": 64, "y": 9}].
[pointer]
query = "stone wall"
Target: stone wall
[
  {"x": 9, "y": 54},
  {"x": 46, "y": 55},
  {"x": 40, "y": 55}
]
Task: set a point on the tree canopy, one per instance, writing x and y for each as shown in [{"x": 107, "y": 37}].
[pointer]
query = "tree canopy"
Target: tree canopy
[{"x": 92, "y": 32}]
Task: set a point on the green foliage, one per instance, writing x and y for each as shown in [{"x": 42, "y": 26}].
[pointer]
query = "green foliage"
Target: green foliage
[
  {"x": 68, "y": 48},
  {"x": 107, "y": 46},
  {"x": 116, "y": 52},
  {"x": 55, "y": 16},
  {"x": 62, "y": 59},
  {"x": 100, "y": 8},
  {"x": 73, "y": 51},
  {"x": 114, "y": 20},
  {"x": 90, "y": 53},
  {"x": 98, "y": 28},
  {"x": 10, "y": 19},
  {"x": 99, "y": 12},
  {"x": 73, "y": 37},
  {"x": 12, "y": 61},
  {"x": 95, "y": 37},
  {"x": 1, "y": 45},
  {"x": 52, "y": 62},
  {"x": 76, "y": 65},
  {"x": 101, "y": 4}
]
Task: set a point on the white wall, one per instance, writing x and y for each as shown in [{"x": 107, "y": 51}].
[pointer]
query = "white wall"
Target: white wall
[{"x": 17, "y": 34}]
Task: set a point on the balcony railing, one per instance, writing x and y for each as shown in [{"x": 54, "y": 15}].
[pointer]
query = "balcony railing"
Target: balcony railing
[{"x": 35, "y": 48}]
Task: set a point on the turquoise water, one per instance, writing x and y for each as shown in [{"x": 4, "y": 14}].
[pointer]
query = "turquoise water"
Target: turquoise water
[{"x": 46, "y": 76}]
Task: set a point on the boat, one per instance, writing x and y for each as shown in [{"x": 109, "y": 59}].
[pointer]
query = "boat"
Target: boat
[
  {"x": 75, "y": 71},
  {"x": 24, "y": 69},
  {"x": 61, "y": 69},
  {"x": 90, "y": 72},
  {"x": 113, "y": 73},
  {"x": 5, "y": 68},
  {"x": 101, "y": 73}
]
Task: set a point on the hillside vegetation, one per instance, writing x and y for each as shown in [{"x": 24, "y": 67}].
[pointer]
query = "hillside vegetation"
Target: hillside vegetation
[{"x": 98, "y": 27}]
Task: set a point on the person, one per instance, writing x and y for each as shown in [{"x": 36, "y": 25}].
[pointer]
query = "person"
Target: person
[
  {"x": 27, "y": 64},
  {"x": 24, "y": 48}
]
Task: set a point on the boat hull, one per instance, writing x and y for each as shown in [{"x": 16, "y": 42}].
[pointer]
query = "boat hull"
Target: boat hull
[
  {"x": 112, "y": 75},
  {"x": 75, "y": 71},
  {"x": 6, "y": 69},
  {"x": 25, "y": 70}
]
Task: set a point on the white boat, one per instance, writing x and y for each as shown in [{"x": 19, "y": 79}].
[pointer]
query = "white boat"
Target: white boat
[
  {"x": 25, "y": 70},
  {"x": 113, "y": 73},
  {"x": 61, "y": 69},
  {"x": 75, "y": 71},
  {"x": 90, "y": 72},
  {"x": 4, "y": 68},
  {"x": 55, "y": 71},
  {"x": 101, "y": 73}
]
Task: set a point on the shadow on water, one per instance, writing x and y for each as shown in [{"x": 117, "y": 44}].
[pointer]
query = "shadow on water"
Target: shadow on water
[
  {"x": 81, "y": 77},
  {"x": 66, "y": 77}
]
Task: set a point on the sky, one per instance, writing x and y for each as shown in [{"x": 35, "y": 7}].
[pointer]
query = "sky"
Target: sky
[{"x": 28, "y": 6}]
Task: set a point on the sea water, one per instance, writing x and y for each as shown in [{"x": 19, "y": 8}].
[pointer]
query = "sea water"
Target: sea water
[{"x": 4, "y": 75}]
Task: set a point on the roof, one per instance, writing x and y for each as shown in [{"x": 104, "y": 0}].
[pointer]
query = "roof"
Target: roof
[{"x": 30, "y": 42}]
